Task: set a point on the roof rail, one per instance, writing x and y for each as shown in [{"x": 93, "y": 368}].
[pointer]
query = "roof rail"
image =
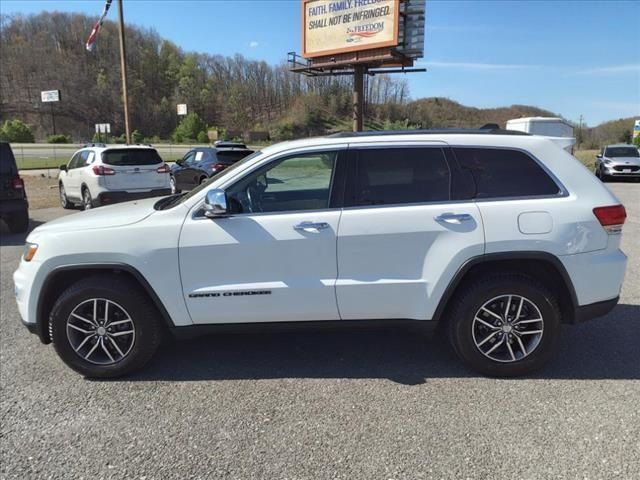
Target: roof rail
[
  {"x": 443, "y": 131},
  {"x": 94, "y": 144}
]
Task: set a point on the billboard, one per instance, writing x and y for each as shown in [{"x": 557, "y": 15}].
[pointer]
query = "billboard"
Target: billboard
[
  {"x": 636, "y": 129},
  {"x": 336, "y": 26}
]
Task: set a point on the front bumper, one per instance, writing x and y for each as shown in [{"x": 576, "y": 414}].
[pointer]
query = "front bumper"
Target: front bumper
[
  {"x": 110, "y": 197},
  {"x": 612, "y": 172},
  {"x": 594, "y": 310}
]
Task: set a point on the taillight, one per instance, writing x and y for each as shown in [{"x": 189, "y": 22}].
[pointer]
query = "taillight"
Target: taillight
[
  {"x": 217, "y": 166},
  {"x": 102, "y": 170},
  {"x": 17, "y": 183},
  {"x": 611, "y": 218},
  {"x": 163, "y": 169}
]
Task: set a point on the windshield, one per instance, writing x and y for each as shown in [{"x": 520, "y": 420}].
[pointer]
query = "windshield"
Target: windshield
[
  {"x": 622, "y": 152},
  {"x": 131, "y": 156},
  {"x": 171, "y": 202}
]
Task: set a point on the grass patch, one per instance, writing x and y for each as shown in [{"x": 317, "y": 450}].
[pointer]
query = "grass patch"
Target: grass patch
[{"x": 587, "y": 157}]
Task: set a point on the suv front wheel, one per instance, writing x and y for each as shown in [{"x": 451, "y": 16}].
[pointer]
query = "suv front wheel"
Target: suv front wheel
[
  {"x": 505, "y": 325},
  {"x": 104, "y": 326}
]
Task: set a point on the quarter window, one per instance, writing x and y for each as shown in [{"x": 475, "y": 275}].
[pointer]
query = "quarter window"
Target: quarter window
[
  {"x": 505, "y": 173},
  {"x": 299, "y": 182},
  {"x": 388, "y": 176}
]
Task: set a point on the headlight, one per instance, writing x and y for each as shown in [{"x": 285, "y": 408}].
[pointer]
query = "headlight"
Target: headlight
[
  {"x": 30, "y": 250},
  {"x": 607, "y": 161}
]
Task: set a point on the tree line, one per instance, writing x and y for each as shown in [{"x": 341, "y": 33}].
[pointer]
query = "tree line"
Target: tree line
[{"x": 46, "y": 52}]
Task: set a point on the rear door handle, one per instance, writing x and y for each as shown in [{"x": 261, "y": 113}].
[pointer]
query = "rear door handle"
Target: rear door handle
[
  {"x": 454, "y": 218},
  {"x": 311, "y": 227}
]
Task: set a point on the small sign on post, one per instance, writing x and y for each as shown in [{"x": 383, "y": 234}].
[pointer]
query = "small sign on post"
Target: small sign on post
[
  {"x": 50, "y": 96},
  {"x": 182, "y": 109},
  {"x": 103, "y": 128}
]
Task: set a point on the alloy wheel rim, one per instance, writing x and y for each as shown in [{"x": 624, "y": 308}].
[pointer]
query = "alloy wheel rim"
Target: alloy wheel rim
[
  {"x": 507, "y": 328},
  {"x": 63, "y": 196},
  {"x": 100, "y": 331},
  {"x": 172, "y": 182},
  {"x": 87, "y": 200}
]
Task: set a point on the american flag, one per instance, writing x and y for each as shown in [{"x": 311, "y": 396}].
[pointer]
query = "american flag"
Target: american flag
[{"x": 96, "y": 27}]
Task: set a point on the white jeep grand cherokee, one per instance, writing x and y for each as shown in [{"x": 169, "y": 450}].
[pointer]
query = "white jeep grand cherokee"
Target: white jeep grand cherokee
[{"x": 500, "y": 237}]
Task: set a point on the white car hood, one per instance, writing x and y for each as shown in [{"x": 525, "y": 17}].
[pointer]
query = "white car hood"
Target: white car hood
[{"x": 117, "y": 215}]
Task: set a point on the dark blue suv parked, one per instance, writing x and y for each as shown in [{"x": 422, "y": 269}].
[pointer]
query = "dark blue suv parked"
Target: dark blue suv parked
[{"x": 199, "y": 164}]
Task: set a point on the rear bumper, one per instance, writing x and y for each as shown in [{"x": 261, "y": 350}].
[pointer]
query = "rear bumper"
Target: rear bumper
[
  {"x": 15, "y": 205},
  {"x": 109, "y": 197}
]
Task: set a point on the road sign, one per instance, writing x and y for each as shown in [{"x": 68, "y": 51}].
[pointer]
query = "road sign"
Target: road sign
[
  {"x": 182, "y": 109},
  {"x": 103, "y": 128},
  {"x": 636, "y": 129},
  {"x": 50, "y": 96}
]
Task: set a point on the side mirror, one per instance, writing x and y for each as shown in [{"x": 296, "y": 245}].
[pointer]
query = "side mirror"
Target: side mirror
[
  {"x": 63, "y": 168},
  {"x": 215, "y": 203},
  {"x": 599, "y": 155},
  {"x": 180, "y": 161}
]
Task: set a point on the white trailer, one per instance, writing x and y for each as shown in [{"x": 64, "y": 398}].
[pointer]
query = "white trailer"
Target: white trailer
[{"x": 557, "y": 129}]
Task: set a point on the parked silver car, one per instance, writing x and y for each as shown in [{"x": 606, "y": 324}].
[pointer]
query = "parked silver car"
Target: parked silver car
[{"x": 618, "y": 161}]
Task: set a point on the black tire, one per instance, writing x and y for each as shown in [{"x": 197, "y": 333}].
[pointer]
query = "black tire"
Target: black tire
[
  {"x": 87, "y": 200},
  {"x": 64, "y": 200},
  {"x": 468, "y": 302},
  {"x": 172, "y": 183},
  {"x": 124, "y": 293},
  {"x": 18, "y": 222}
]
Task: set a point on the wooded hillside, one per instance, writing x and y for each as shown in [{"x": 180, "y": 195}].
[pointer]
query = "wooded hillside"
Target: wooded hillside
[{"x": 46, "y": 52}]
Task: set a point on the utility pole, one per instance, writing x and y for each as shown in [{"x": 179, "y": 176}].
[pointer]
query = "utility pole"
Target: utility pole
[
  {"x": 358, "y": 97},
  {"x": 580, "y": 132},
  {"x": 123, "y": 71}
]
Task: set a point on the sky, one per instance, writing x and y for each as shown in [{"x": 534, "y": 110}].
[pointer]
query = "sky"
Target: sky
[{"x": 575, "y": 58}]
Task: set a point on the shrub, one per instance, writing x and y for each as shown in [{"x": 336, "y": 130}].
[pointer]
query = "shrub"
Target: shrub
[
  {"x": 189, "y": 128},
  {"x": 59, "y": 138},
  {"x": 203, "y": 137},
  {"x": 136, "y": 137},
  {"x": 16, "y": 131}
]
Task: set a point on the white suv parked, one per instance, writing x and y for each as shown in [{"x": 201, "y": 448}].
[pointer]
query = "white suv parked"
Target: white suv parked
[
  {"x": 100, "y": 175},
  {"x": 499, "y": 237}
]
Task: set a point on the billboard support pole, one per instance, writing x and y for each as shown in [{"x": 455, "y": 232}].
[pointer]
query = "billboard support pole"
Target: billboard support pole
[
  {"x": 123, "y": 70},
  {"x": 53, "y": 118},
  {"x": 358, "y": 97}
]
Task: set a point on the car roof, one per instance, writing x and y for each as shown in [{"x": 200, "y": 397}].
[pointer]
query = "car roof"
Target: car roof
[
  {"x": 619, "y": 145},
  {"x": 478, "y": 137},
  {"x": 101, "y": 147}
]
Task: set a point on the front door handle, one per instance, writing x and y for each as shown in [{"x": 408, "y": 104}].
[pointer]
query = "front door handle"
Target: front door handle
[
  {"x": 311, "y": 227},
  {"x": 456, "y": 218}
]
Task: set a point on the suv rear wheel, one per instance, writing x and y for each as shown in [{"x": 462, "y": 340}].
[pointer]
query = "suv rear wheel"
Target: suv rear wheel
[
  {"x": 104, "y": 326},
  {"x": 505, "y": 325},
  {"x": 87, "y": 201}
]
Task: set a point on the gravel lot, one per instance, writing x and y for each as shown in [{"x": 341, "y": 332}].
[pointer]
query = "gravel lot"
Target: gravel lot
[{"x": 339, "y": 405}]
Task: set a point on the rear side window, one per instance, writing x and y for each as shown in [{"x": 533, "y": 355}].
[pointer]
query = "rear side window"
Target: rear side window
[
  {"x": 231, "y": 156},
  {"x": 131, "y": 156},
  {"x": 7, "y": 161},
  {"x": 505, "y": 173},
  {"x": 391, "y": 176}
]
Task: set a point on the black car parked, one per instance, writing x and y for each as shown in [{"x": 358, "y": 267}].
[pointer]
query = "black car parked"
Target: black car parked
[
  {"x": 14, "y": 208},
  {"x": 200, "y": 164}
]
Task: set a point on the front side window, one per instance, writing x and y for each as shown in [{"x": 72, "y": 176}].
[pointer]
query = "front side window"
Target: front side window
[
  {"x": 297, "y": 182},
  {"x": 392, "y": 176},
  {"x": 505, "y": 173}
]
